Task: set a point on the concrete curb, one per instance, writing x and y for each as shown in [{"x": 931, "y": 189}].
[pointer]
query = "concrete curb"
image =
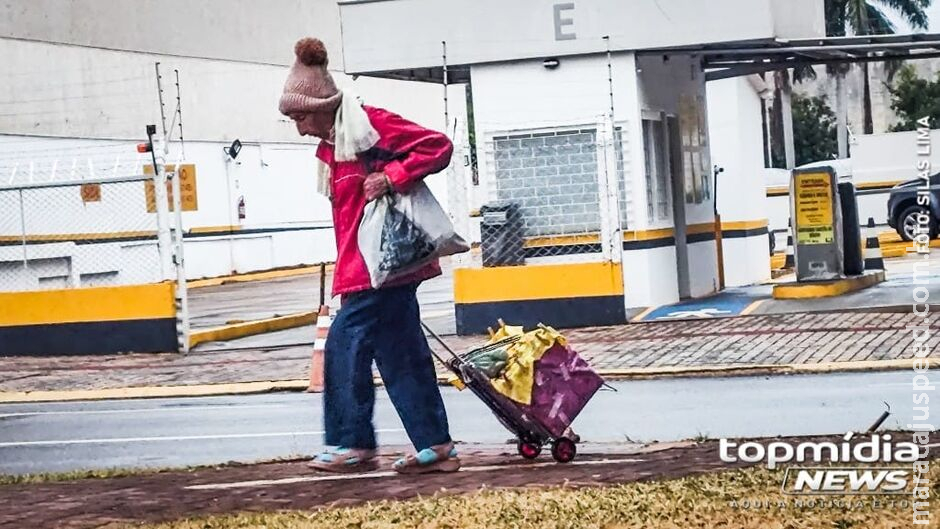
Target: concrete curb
[
  {"x": 152, "y": 392},
  {"x": 249, "y": 388},
  {"x": 257, "y": 276},
  {"x": 824, "y": 289},
  {"x": 250, "y": 328}
]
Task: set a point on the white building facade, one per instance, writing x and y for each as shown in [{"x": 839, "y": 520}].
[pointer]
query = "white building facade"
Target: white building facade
[
  {"x": 80, "y": 85},
  {"x": 601, "y": 139}
]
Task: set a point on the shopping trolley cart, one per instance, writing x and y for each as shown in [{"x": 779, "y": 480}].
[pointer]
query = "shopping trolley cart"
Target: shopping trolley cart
[{"x": 534, "y": 425}]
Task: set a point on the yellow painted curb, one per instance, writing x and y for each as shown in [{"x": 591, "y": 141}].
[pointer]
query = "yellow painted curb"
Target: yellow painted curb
[
  {"x": 900, "y": 248},
  {"x": 752, "y": 307},
  {"x": 256, "y": 276},
  {"x": 639, "y": 317},
  {"x": 892, "y": 253},
  {"x": 250, "y": 328},
  {"x": 203, "y": 390},
  {"x": 823, "y": 289},
  {"x": 247, "y": 388},
  {"x": 718, "y": 371}
]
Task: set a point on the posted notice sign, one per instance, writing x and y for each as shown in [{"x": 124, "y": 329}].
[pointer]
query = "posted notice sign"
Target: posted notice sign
[
  {"x": 814, "y": 222},
  {"x": 188, "y": 196}
]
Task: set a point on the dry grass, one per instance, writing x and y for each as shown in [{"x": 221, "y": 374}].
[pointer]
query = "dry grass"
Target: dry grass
[
  {"x": 688, "y": 503},
  {"x": 110, "y": 473}
]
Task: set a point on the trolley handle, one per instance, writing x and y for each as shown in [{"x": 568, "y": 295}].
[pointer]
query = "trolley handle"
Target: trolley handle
[
  {"x": 461, "y": 360},
  {"x": 440, "y": 341}
]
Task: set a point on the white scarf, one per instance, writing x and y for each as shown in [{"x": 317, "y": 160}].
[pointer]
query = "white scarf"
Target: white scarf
[{"x": 353, "y": 134}]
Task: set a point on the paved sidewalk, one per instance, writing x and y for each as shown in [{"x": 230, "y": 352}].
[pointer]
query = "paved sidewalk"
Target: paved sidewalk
[
  {"x": 219, "y": 305},
  {"x": 809, "y": 339},
  {"x": 168, "y": 496},
  {"x": 292, "y": 486}
]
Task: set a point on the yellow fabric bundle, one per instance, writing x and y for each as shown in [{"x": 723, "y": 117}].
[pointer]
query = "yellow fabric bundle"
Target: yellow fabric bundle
[{"x": 517, "y": 380}]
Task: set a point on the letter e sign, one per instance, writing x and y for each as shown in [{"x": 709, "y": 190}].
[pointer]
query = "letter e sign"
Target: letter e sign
[{"x": 560, "y": 22}]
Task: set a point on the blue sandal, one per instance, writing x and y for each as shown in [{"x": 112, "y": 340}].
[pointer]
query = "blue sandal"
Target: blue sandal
[
  {"x": 440, "y": 458},
  {"x": 345, "y": 460}
]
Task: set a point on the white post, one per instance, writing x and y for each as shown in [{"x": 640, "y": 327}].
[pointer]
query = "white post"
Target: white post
[
  {"x": 446, "y": 82},
  {"x": 842, "y": 127},
  {"x": 164, "y": 240},
  {"x": 23, "y": 231},
  {"x": 787, "y": 111},
  {"x": 181, "y": 297},
  {"x": 607, "y": 190}
]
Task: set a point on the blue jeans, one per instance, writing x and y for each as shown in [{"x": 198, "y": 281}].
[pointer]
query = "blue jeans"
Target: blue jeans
[{"x": 381, "y": 325}]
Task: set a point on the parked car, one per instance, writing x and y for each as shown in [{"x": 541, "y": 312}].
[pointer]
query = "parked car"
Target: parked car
[{"x": 903, "y": 208}]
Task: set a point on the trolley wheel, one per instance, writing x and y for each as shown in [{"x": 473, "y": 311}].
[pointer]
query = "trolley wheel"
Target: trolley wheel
[
  {"x": 529, "y": 450},
  {"x": 564, "y": 450}
]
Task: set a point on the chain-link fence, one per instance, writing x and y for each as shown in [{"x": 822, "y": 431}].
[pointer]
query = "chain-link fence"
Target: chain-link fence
[
  {"x": 79, "y": 234},
  {"x": 552, "y": 195}
]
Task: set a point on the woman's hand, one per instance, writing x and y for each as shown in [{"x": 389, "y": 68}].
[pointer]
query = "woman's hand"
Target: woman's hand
[{"x": 376, "y": 185}]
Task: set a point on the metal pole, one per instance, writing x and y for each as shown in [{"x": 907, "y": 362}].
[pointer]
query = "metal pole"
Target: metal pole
[
  {"x": 231, "y": 218},
  {"x": 610, "y": 77},
  {"x": 786, "y": 93},
  {"x": 841, "y": 117},
  {"x": 446, "y": 81},
  {"x": 160, "y": 95},
  {"x": 322, "y": 284},
  {"x": 181, "y": 296},
  {"x": 164, "y": 240},
  {"x": 179, "y": 111},
  {"x": 23, "y": 231}
]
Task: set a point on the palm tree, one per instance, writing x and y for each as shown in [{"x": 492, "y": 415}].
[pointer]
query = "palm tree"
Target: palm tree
[{"x": 869, "y": 17}]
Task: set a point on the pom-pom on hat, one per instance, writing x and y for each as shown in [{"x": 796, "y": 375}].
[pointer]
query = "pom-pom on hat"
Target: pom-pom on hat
[{"x": 309, "y": 86}]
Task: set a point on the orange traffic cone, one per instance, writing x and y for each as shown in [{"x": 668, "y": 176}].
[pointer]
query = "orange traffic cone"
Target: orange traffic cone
[
  {"x": 319, "y": 347},
  {"x": 319, "y": 343}
]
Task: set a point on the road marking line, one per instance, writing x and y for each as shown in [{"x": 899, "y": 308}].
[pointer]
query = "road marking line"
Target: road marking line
[
  {"x": 639, "y": 317},
  {"x": 177, "y": 438},
  {"x": 141, "y": 410},
  {"x": 437, "y": 313},
  {"x": 752, "y": 307},
  {"x": 387, "y": 474}
]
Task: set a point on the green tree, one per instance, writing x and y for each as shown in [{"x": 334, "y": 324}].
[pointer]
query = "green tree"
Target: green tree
[
  {"x": 814, "y": 130},
  {"x": 869, "y": 17},
  {"x": 913, "y": 98}
]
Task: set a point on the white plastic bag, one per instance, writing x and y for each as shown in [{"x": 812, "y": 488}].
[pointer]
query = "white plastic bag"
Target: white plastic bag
[{"x": 400, "y": 233}]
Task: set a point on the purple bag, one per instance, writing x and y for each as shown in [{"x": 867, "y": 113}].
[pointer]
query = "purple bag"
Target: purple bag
[{"x": 564, "y": 383}]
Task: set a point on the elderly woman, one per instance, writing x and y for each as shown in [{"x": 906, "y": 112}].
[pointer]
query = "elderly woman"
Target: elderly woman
[{"x": 366, "y": 153}]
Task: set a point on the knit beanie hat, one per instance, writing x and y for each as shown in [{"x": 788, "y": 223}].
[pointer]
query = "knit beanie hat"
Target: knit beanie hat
[{"x": 309, "y": 86}]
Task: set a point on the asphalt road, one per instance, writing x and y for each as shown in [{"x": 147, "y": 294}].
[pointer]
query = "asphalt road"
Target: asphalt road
[{"x": 181, "y": 432}]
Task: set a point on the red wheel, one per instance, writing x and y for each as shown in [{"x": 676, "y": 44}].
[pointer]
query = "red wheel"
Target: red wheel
[
  {"x": 529, "y": 450},
  {"x": 564, "y": 450}
]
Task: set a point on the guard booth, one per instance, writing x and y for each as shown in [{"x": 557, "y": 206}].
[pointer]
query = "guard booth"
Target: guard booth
[
  {"x": 596, "y": 136},
  {"x": 591, "y": 118}
]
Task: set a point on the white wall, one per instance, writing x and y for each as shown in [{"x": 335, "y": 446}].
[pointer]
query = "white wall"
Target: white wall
[
  {"x": 881, "y": 158},
  {"x": 746, "y": 260},
  {"x": 287, "y": 223},
  {"x": 661, "y": 85},
  {"x": 890, "y": 156},
  {"x": 75, "y": 91},
  {"x": 650, "y": 277},
  {"x": 703, "y": 268},
  {"x": 736, "y": 142},
  {"x": 524, "y": 95},
  {"x": 242, "y": 30},
  {"x": 480, "y": 31},
  {"x": 799, "y": 19}
]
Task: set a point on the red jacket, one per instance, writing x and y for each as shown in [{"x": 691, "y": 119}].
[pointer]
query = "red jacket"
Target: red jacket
[{"x": 406, "y": 153}]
